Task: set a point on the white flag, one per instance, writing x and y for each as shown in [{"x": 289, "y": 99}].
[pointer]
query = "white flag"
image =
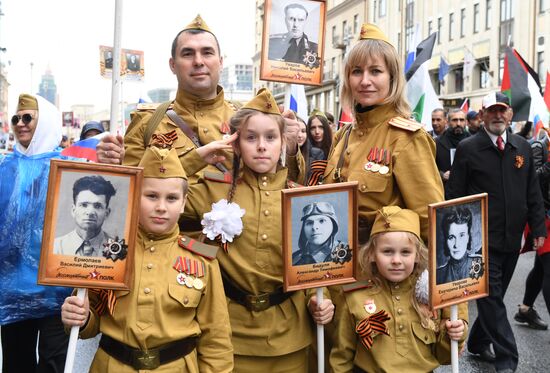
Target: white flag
[{"x": 469, "y": 63}]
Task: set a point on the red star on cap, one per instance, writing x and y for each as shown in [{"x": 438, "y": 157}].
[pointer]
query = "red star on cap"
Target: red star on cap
[
  {"x": 268, "y": 105},
  {"x": 162, "y": 169}
]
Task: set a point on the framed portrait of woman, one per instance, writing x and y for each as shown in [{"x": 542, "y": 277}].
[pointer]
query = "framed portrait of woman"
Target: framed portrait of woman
[
  {"x": 293, "y": 41},
  {"x": 458, "y": 248},
  {"x": 319, "y": 235},
  {"x": 90, "y": 225}
]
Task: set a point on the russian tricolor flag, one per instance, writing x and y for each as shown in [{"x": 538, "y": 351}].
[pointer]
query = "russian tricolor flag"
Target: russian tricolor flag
[
  {"x": 84, "y": 148},
  {"x": 295, "y": 100}
]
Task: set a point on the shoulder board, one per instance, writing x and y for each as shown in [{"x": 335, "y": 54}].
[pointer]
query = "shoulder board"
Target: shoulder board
[
  {"x": 405, "y": 124},
  {"x": 292, "y": 184},
  {"x": 218, "y": 177},
  {"x": 234, "y": 104},
  {"x": 357, "y": 285},
  {"x": 150, "y": 106},
  {"x": 197, "y": 247}
]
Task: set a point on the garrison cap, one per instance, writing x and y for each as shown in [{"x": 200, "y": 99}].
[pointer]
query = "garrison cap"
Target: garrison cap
[
  {"x": 27, "y": 102},
  {"x": 198, "y": 24},
  {"x": 162, "y": 163},
  {"x": 396, "y": 219},
  {"x": 371, "y": 31},
  {"x": 264, "y": 102}
]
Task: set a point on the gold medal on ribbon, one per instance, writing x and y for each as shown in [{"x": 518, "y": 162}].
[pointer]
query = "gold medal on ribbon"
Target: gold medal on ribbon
[
  {"x": 198, "y": 284},
  {"x": 189, "y": 282},
  {"x": 375, "y": 167},
  {"x": 384, "y": 170}
]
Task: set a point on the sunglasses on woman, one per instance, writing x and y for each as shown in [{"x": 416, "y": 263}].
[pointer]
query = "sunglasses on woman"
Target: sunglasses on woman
[{"x": 26, "y": 118}]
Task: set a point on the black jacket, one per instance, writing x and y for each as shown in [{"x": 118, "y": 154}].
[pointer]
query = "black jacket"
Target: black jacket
[
  {"x": 443, "y": 153},
  {"x": 542, "y": 167},
  {"x": 510, "y": 181}
]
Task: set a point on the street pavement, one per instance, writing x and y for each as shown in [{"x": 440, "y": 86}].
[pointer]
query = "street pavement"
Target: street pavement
[{"x": 533, "y": 345}]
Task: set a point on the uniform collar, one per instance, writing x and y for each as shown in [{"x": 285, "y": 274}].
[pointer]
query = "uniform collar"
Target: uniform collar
[
  {"x": 185, "y": 101},
  {"x": 276, "y": 181},
  {"x": 374, "y": 117},
  {"x": 95, "y": 242},
  {"x": 150, "y": 239}
]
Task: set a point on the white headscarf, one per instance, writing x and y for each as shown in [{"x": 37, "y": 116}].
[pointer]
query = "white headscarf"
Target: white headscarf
[{"x": 48, "y": 133}]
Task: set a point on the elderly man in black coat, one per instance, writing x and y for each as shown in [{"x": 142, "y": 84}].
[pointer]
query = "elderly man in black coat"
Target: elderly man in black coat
[{"x": 499, "y": 163}]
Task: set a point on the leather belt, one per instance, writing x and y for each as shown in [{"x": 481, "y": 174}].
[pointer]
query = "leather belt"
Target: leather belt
[
  {"x": 151, "y": 358},
  {"x": 255, "y": 303}
]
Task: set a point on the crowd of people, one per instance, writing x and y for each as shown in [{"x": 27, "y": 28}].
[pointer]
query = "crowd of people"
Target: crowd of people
[{"x": 200, "y": 153}]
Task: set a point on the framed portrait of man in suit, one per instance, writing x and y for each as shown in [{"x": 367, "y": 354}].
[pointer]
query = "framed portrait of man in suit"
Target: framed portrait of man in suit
[
  {"x": 90, "y": 225},
  {"x": 319, "y": 235},
  {"x": 458, "y": 250},
  {"x": 293, "y": 41}
]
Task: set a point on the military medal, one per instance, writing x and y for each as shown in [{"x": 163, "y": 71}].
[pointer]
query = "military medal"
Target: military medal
[
  {"x": 370, "y": 307},
  {"x": 369, "y": 164},
  {"x": 189, "y": 282},
  {"x": 180, "y": 278},
  {"x": 385, "y": 169},
  {"x": 197, "y": 284}
]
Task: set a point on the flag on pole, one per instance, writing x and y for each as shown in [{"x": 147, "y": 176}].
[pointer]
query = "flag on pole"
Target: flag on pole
[
  {"x": 84, "y": 148},
  {"x": 420, "y": 91},
  {"x": 414, "y": 39},
  {"x": 521, "y": 84},
  {"x": 465, "y": 107},
  {"x": 295, "y": 100},
  {"x": 443, "y": 70},
  {"x": 469, "y": 63},
  {"x": 547, "y": 90}
]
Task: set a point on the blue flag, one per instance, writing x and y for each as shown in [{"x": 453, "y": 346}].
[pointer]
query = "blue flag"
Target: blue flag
[{"x": 443, "y": 70}]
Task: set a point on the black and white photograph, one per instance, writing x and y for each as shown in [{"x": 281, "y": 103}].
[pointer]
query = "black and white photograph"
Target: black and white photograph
[
  {"x": 90, "y": 225},
  {"x": 458, "y": 250},
  {"x": 132, "y": 62},
  {"x": 94, "y": 216},
  {"x": 319, "y": 235},
  {"x": 294, "y": 31},
  {"x": 293, "y": 41}
]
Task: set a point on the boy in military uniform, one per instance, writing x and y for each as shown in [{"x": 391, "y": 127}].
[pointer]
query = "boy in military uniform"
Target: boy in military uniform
[{"x": 175, "y": 317}]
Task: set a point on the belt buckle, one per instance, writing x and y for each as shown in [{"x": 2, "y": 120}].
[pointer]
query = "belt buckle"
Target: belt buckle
[
  {"x": 148, "y": 360},
  {"x": 257, "y": 302},
  {"x": 337, "y": 174}
]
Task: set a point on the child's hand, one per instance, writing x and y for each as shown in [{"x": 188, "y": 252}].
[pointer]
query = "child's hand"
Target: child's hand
[
  {"x": 322, "y": 313},
  {"x": 208, "y": 152},
  {"x": 455, "y": 329},
  {"x": 75, "y": 311}
]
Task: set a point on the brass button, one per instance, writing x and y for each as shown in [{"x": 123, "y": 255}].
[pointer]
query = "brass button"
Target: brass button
[
  {"x": 363, "y": 188},
  {"x": 205, "y": 130},
  {"x": 264, "y": 236},
  {"x": 266, "y": 212},
  {"x": 185, "y": 300},
  {"x": 396, "y": 287},
  {"x": 183, "y": 239},
  {"x": 348, "y": 151},
  {"x": 267, "y": 193},
  {"x": 397, "y": 297},
  {"x": 399, "y": 311},
  {"x": 401, "y": 327},
  {"x": 146, "y": 290},
  {"x": 201, "y": 114},
  {"x": 152, "y": 249},
  {"x": 425, "y": 337},
  {"x": 150, "y": 265},
  {"x": 361, "y": 133},
  {"x": 264, "y": 178},
  {"x": 264, "y": 183}
]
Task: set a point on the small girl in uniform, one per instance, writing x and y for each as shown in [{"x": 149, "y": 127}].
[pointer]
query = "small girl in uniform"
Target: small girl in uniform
[
  {"x": 386, "y": 324},
  {"x": 271, "y": 329}
]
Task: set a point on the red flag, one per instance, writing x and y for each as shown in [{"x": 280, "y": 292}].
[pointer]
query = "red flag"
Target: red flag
[
  {"x": 465, "y": 107},
  {"x": 547, "y": 91},
  {"x": 345, "y": 117}
]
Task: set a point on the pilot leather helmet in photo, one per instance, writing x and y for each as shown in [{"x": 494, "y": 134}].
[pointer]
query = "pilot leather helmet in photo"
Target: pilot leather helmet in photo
[{"x": 317, "y": 208}]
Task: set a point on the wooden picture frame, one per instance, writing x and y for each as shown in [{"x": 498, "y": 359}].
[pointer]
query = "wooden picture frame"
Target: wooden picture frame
[
  {"x": 331, "y": 211},
  {"x": 458, "y": 250},
  {"x": 285, "y": 20},
  {"x": 132, "y": 64},
  {"x": 81, "y": 202}
]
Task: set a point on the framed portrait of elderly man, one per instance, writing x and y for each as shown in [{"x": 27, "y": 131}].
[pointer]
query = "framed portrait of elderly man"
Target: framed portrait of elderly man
[
  {"x": 319, "y": 235},
  {"x": 458, "y": 248},
  {"x": 293, "y": 41},
  {"x": 90, "y": 225}
]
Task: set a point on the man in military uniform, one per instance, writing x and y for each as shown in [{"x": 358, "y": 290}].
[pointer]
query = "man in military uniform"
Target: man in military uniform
[
  {"x": 200, "y": 106},
  {"x": 91, "y": 197},
  {"x": 293, "y": 45}
]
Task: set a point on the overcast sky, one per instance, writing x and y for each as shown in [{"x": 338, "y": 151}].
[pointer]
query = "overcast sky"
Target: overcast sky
[{"x": 65, "y": 36}]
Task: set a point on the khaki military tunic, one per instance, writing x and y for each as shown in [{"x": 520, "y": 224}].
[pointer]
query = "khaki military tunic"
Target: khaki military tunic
[
  {"x": 410, "y": 347},
  {"x": 413, "y": 180},
  {"x": 158, "y": 310},
  {"x": 255, "y": 264},
  {"x": 208, "y": 119}
]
